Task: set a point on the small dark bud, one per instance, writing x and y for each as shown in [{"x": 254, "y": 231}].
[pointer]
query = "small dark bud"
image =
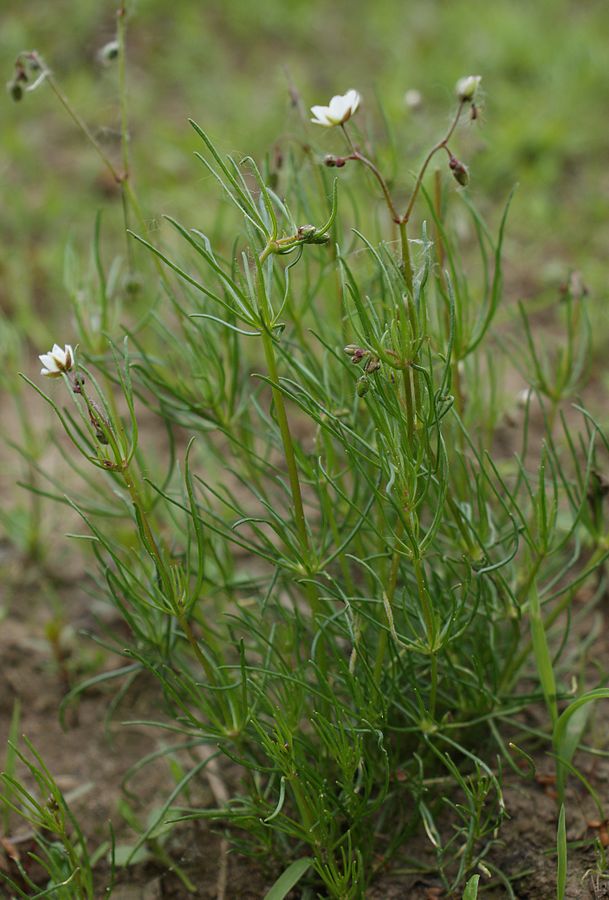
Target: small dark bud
[
  {"x": 109, "y": 52},
  {"x": 334, "y": 161},
  {"x": 15, "y": 90},
  {"x": 133, "y": 284},
  {"x": 474, "y": 112},
  {"x": 373, "y": 365},
  {"x": 362, "y": 386},
  {"x": 356, "y": 353},
  {"x": 460, "y": 171},
  {"x": 99, "y": 422},
  {"x": 77, "y": 383}
]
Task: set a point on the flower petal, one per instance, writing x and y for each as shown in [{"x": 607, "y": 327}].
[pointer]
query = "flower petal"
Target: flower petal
[
  {"x": 321, "y": 115},
  {"x": 48, "y": 362},
  {"x": 353, "y": 98},
  {"x": 338, "y": 107}
]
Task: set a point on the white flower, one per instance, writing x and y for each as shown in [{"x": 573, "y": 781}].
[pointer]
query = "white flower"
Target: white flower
[
  {"x": 524, "y": 397},
  {"x": 57, "y": 361},
  {"x": 340, "y": 108},
  {"x": 466, "y": 88},
  {"x": 413, "y": 99}
]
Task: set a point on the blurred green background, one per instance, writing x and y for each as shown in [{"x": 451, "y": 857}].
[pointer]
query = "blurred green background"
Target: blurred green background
[{"x": 544, "y": 123}]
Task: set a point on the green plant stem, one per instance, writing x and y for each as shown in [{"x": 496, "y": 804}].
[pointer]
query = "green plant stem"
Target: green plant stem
[
  {"x": 201, "y": 658},
  {"x": 440, "y": 256},
  {"x": 77, "y": 119},
  {"x": 408, "y": 399},
  {"x": 121, "y": 29},
  {"x": 34, "y": 546},
  {"x": 286, "y": 436},
  {"x": 155, "y": 553},
  {"x": 517, "y": 662},
  {"x": 406, "y": 265},
  {"x": 127, "y": 192},
  {"x": 375, "y": 171},
  {"x": 430, "y": 627},
  {"x": 514, "y": 664},
  {"x": 391, "y": 586},
  {"x": 301, "y": 802},
  {"x": 288, "y": 447},
  {"x": 441, "y": 145},
  {"x": 280, "y": 411}
]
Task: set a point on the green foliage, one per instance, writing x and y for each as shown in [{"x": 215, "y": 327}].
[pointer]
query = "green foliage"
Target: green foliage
[{"x": 62, "y": 847}]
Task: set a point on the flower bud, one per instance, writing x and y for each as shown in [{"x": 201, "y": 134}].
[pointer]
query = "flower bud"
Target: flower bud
[
  {"x": 466, "y": 88},
  {"x": 413, "y": 99},
  {"x": 15, "y": 90},
  {"x": 77, "y": 381},
  {"x": 133, "y": 284},
  {"x": 306, "y": 232},
  {"x": 309, "y": 234},
  {"x": 362, "y": 386},
  {"x": 523, "y": 397},
  {"x": 373, "y": 365},
  {"x": 356, "y": 353},
  {"x": 575, "y": 287},
  {"x": 460, "y": 171},
  {"x": 99, "y": 422},
  {"x": 108, "y": 53}
]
